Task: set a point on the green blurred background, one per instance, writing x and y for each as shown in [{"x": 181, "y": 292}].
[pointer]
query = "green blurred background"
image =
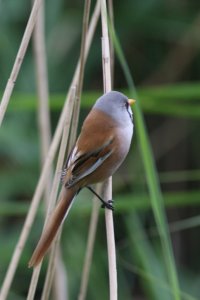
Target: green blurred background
[{"x": 160, "y": 40}]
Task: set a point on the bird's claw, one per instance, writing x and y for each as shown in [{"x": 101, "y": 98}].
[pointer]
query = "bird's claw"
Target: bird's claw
[{"x": 108, "y": 204}]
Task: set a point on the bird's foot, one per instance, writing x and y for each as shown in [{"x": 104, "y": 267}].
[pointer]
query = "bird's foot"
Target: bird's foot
[{"x": 108, "y": 204}]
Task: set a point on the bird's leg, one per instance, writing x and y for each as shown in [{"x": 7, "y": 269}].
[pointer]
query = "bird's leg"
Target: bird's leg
[{"x": 107, "y": 204}]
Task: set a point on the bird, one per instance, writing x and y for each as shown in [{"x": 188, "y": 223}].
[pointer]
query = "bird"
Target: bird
[{"x": 100, "y": 149}]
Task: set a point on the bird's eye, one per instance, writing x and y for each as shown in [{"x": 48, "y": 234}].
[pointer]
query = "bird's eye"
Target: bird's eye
[
  {"x": 127, "y": 105},
  {"x": 129, "y": 110}
]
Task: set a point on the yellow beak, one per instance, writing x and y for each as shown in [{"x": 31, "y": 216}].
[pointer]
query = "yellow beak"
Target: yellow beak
[{"x": 131, "y": 101}]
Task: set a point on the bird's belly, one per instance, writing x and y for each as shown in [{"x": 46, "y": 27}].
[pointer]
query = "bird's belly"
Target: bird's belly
[
  {"x": 124, "y": 141},
  {"x": 124, "y": 137}
]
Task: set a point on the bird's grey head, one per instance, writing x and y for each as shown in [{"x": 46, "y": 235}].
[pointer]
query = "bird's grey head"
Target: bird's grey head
[{"x": 116, "y": 105}]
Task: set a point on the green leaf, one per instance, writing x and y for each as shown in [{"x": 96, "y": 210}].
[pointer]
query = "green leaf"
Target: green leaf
[{"x": 152, "y": 177}]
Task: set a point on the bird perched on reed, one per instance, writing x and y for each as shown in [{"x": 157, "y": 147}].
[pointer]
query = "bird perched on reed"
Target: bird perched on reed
[{"x": 100, "y": 149}]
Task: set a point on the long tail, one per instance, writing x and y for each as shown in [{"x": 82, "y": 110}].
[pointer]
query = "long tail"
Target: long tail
[{"x": 52, "y": 226}]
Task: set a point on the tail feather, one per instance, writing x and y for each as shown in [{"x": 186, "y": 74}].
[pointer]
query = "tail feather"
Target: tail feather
[{"x": 52, "y": 227}]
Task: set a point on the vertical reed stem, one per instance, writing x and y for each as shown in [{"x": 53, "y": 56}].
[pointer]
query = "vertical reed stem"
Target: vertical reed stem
[
  {"x": 54, "y": 190},
  {"x": 75, "y": 112},
  {"x": 90, "y": 246},
  {"x": 108, "y": 184},
  {"x": 18, "y": 60},
  {"x": 43, "y": 91}
]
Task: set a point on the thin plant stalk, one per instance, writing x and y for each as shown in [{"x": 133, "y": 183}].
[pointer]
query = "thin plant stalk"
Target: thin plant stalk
[
  {"x": 90, "y": 246},
  {"x": 43, "y": 109},
  {"x": 36, "y": 272},
  {"x": 76, "y": 110},
  {"x": 60, "y": 284},
  {"x": 55, "y": 187},
  {"x": 111, "y": 243},
  {"x": 44, "y": 173},
  {"x": 51, "y": 268},
  {"x": 55, "y": 244},
  {"x": 19, "y": 59},
  {"x": 43, "y": 91},
  {"x": 95, "y": 211},
  {"x": 152, "y": 178},
  {"x": 108, "y": 184},
  {"x": 65, "y": 140},
  {"x": 33, "y": 283},
  {"x": 112, "y": 54}
]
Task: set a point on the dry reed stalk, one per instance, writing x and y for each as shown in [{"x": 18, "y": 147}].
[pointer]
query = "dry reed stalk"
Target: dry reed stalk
[
  {"x": 33, "y": 283},
  {"x": 43, "y": 91},
  {"x": 44, "y": 173},
  {"x": 51, "y": 267},
  {"x": 65, "y": 141},
  {"x": 76, "y": 110},
  {"x": 19, "y": 59},
  {"x": 43, "y": 95},
  {"x": 60, "y": 288},
  {"x": 95, "y": 210},
  {"x": 90, "y": 245},
  {"x": 111, "y": 244},
  {"x": 112, "y": 54},
  {"x": 108, "y": 184},
  {"x": 55, "y": 187},
  {"x": 55, "y": 244},
  {"x": 86, "y": 15}
]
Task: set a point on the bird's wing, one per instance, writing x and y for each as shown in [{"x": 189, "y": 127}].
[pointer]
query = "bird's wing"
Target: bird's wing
[
  {"x": 82, "y": 164},
  {"x": 95, "y": 144}
]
